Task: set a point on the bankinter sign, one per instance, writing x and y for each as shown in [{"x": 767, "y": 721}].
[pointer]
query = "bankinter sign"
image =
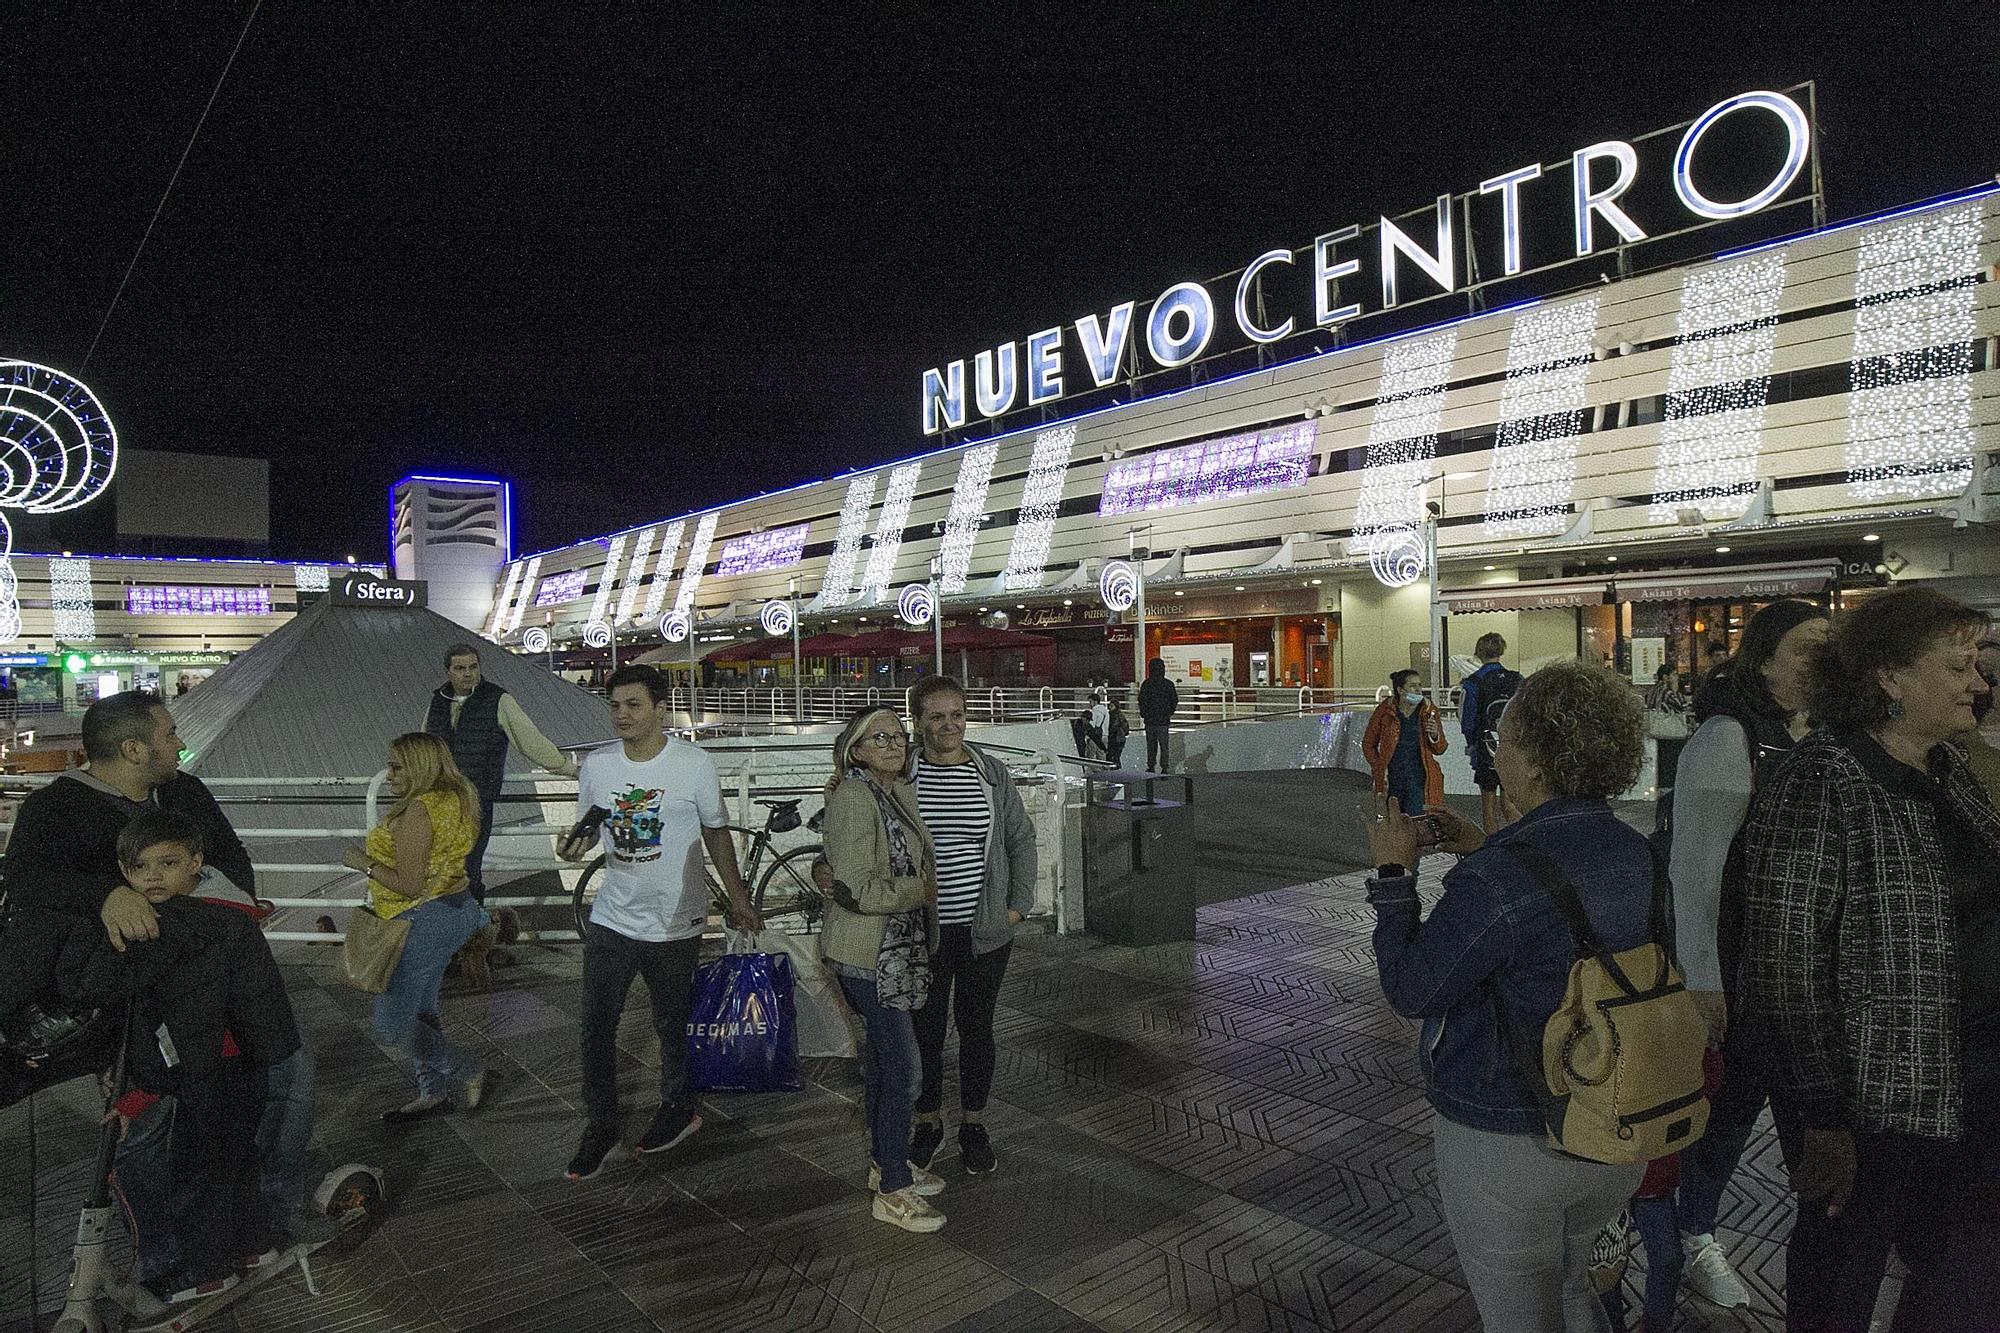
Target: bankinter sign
[
  {"x": 363, "y": 589},
  {"x": 1181, "y": 323}
]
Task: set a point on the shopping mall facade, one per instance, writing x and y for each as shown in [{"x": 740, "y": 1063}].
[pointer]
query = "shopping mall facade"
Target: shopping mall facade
[{"x": 1621, "y": 472}]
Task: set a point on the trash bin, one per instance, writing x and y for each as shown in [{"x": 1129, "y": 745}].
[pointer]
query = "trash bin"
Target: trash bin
[{"x": 1138, "y": 857}]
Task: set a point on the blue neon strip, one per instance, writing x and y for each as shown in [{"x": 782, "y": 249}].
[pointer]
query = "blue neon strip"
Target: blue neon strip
[{"x": 1903, "y": 210}]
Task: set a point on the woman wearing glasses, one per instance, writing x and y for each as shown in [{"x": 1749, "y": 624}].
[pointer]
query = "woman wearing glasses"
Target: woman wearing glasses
[{"x": 881, "y": 925}]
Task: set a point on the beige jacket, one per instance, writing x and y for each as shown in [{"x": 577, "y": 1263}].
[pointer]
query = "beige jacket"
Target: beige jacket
[{"x": 857, "y": 847}]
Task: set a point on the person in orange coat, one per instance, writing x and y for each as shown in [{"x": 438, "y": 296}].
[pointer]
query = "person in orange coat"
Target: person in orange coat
[{"x": 1402, "y": 743}]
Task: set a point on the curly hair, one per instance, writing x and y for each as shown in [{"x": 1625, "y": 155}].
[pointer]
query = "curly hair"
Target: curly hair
[
  {"x": 1582, "y": 727},
  {"x": 1887, "y": 632}
]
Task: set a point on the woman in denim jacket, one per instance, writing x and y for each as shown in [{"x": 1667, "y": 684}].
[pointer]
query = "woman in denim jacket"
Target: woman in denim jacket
[{"x": 1490, "y": 962}]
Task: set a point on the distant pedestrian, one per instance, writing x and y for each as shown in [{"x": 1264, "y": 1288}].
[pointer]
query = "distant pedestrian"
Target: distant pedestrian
[
  {"x": 1157, "y": 701},
  {"x": 1100, "y": 723},
  {"x": 1402, "y": 743},
  {"x": 1117, "y": 730},
  {"x": 1483, "y": 697}
]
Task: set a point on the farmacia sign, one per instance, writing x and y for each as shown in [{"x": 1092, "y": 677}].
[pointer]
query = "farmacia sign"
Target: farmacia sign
[{"x": 1425, "y": 260}]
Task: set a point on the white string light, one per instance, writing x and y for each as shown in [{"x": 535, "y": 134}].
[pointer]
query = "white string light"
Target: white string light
[
  {"x": 628, "y": 596},
  {"x": 528, "y": 579},
  {"x": 1402, "y": 438},
  {"x": 914, "y": 605},
  {"x": 663, "y": 571},
  {"x": 889, "y": 530},
  {"x": 501, "y": 604},
  {"x": 968, "y": 512},
  {"x": 1041, "y": 498},
  {"x": 704, "y": 534},
  {"x": 837, "y": 585},
  {"x": 70, "y": 599},
  {"x": 1396, "y": 555},
  {"x": 1909, "y": 414},
  {"x": 536, "y": 640},
  {"x": 1118, "y": 586},
  {"x": 776, "y": 618},
  {"x": 1717, "y": 386},
  {"x": 605, "y": 578},
  {"x": 313, "y": 578},
  {"x": 1533, "y": 476}
]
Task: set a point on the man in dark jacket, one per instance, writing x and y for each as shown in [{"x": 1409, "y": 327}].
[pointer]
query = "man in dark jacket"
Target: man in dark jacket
[{"x": 1157, "y": 701}]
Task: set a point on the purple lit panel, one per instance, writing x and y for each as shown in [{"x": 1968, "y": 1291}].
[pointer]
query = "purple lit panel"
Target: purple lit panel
[
  {"x": 1273, "y": 459},
  {"x": 564, "y": 587},
  {"x": 197, "y": 601},
  {"x": 762, "y": 550}
]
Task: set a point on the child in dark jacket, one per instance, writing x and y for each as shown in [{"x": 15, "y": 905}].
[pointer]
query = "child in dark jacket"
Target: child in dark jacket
[{"x": 210, "y": 1018}]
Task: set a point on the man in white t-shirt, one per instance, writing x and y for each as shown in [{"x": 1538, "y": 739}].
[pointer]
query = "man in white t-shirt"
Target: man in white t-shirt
[{"x": 662, "y": 804}]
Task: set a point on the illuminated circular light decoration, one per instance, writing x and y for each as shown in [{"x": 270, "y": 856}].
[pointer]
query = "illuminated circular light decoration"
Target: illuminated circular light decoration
[
  {"x": 1396, "y": 555},
  {"x": 915, "y": 605},
  {"x": 1118, "y": 585},
  {"x": 1798, "y": 134},
  {"x": 597, "y": 634},
  {"x": 58, "y": 451},
  {"x": 536, "y": 640},
  {"x": 675, "y": 626},
  {"x": 776, "y": 618}
]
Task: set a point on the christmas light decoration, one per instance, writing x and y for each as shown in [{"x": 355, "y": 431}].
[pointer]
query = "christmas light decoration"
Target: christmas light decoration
[
  {"x": 1909, "y": 414},
  {"x": 776, "y": 618},
  {"x": 536, "y": 640},
  {"x": 597, "y": 634},
  {"x": 968, "y": 511},
  {"x": 837, "y": 585},
  {"x": 1396, "y": 555},
  {"x": 1717, "y": 385},
  {"x": 704, "y": 534},
  {"x": 635, "y": 574},
  {"x": 606, "y": 576},
  {"x": 1533, "y": 476},
  {"x": 758, "y": 551},
  {"x": 58, "y": 449},
  {"x": 889, "y": 531},
  {"x": 915, "y": 605},
  {"x": 181, "y": 601},
  {"x": 527, "y": 592},
  {"x": 1041, "y": 498},
  {"x": 675, "y": 626},
  {"x": 1273, "y": 459},
  {"x": 1402, "y": 437},
  {"x": 313, "y": 578},
  {"x": 663, "y": 571},
  {"x": 70, "y": 599},
  {"x": 1118, "y": 585},
  {"x": 10, "y": 601},
  {"x": 559, "y": 588}
]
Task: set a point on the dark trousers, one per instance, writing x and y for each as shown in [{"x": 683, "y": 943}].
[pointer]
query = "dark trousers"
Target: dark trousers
[
  {"x": 1937, "y": 1203},
  {"x": 1708, "y": 1163},
  {"x": 966, "y": 986},
  {"x": 610, "y": 962},
  {"x": 1156, "y": 746},
  {"x": 220, "y": 1216},
  {"x": 474, "y": 859}
]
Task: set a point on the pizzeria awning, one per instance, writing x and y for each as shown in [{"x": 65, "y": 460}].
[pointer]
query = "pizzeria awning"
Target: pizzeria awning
[
  {"x": 1746, "y": 583},
  {"x": 1535, "y": 595}
]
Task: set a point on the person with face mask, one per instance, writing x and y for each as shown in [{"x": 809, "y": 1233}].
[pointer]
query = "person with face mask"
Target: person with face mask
[{"x": 1402, "y": 743}]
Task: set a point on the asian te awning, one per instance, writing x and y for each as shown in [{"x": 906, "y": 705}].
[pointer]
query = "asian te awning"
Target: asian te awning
[
  {"x": 1534, "y": 595},
  {"x": 1736, "y": 583}
]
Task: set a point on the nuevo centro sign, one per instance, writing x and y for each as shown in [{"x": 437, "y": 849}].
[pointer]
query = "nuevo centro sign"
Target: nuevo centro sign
[{"x": 1181, "y": 322}]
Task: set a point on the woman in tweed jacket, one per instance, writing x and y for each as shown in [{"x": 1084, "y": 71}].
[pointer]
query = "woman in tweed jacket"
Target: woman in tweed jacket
[{"x": 1871, "y": 968}]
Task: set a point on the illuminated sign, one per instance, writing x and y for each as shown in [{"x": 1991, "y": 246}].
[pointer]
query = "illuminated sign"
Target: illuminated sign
[
  {"x": 564, "y": 587},
  {"x": 756, "y": 552},
  {"x": 366, "y": 589},
  {"x": 1273, "y": 459},
  {"x": 1409, "y": 261},
  {"x": 24, "y": 659},
  {"x": 176, "y": 601}
]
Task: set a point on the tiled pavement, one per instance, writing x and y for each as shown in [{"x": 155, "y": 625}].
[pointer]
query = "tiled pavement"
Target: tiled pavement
[{"x": 1219, "y": 1135}]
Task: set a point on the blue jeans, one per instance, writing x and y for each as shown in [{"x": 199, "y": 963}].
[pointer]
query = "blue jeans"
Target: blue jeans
[
  {"x": 145, "y": 1171},
  {"x": 1407, "y": 787},
  {"x": 438, "y": 929},
  {"x": 284, "y": 1132},
  {"x": 891, "y": 1076}
]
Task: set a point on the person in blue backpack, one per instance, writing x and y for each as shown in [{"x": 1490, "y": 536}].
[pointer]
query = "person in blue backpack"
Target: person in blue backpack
[{"x": 1483, "y": 695}]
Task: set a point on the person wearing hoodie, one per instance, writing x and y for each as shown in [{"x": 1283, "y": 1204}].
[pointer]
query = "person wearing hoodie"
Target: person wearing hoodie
[{"x": 1157, "y": 701}]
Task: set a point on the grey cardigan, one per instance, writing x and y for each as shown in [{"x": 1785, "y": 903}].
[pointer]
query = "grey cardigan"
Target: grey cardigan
[{"x": 1010, "y": 856}]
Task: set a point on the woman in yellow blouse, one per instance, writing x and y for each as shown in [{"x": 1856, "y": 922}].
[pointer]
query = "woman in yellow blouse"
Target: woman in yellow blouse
[{"x": 415, "y": 863}]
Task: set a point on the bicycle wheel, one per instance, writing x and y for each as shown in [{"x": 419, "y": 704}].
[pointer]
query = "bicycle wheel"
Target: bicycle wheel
[
  {"x": 584, "y": 897},
  {"x": 787, "y": 898}
]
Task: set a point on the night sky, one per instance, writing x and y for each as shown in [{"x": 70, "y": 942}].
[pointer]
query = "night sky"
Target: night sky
[{"x": 643, "y": 258}]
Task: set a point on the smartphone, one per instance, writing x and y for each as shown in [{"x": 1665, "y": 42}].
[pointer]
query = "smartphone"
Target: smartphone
[
  {"x": 587, "y": 827},
  {"x": 1430, "y": 833}
]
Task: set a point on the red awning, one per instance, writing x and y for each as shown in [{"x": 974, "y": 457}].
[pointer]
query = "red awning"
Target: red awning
[
  {"x": 755, "y": 650},
  {"x": 979, "y": 638},
  {"x": 827, "y": 645}
]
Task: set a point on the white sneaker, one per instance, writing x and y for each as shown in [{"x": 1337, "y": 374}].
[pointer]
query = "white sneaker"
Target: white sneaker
[
  {"x": 1708, "y": 1272},
  {"x": 927, "y": 1183},
  {"x": 906, "y": 1209}
]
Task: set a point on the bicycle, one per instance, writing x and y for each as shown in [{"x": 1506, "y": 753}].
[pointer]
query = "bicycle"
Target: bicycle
[{"x": 789, "y": 875}]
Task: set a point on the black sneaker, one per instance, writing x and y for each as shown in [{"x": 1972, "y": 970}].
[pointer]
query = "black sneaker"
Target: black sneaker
[
  {"x": 670, "y": 1128},
  {"x": 975, "y": 1149},
  {"x": 592, "y": 1154},
  {"x": 182, "y": 1285},
  {"x": 926, "y": 1137}
]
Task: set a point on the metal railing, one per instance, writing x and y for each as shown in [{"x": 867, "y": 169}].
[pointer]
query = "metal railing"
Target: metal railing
[{"x": 772, "y": 708}]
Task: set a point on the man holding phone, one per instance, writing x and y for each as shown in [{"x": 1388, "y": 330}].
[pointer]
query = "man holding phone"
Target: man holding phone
[{"x": 652, "y": 802}]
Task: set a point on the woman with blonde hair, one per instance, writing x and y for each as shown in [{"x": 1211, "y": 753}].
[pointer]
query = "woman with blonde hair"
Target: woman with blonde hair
[{"x": 415, "y": 863}]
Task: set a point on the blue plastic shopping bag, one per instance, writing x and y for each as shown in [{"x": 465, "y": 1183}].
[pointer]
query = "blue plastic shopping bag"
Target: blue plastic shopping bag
[{"x": 742, "y": 1033}]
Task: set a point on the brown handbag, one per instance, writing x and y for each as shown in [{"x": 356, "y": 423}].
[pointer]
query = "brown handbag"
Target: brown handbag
[{"x": 371, "y": 950}]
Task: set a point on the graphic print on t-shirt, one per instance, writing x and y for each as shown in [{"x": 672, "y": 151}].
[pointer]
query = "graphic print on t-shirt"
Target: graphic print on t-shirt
[{"x": 635, "y": 824}]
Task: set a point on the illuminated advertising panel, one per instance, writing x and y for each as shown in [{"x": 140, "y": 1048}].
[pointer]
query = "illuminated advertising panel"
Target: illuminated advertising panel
[
  {"x": 758, "y": 551},
  {"x": 1273, "y": 459}
]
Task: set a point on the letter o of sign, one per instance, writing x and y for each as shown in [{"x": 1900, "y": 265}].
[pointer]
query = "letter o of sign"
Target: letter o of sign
[
  {"x": 1189, "y": 299},
  {"x": 1798, "y": 134}
]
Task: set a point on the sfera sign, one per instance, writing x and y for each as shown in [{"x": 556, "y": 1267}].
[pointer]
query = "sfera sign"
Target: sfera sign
[
  {"x": 1609, "y": 201},
  {"x": 364, "y": 589}
]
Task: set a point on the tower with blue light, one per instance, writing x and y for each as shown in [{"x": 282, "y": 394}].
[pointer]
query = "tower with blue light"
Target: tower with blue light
[{"x": 454, "y": 533}]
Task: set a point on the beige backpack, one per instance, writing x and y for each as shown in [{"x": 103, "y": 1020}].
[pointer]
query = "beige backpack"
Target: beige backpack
[{"x": 1619, "y": 1066}]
